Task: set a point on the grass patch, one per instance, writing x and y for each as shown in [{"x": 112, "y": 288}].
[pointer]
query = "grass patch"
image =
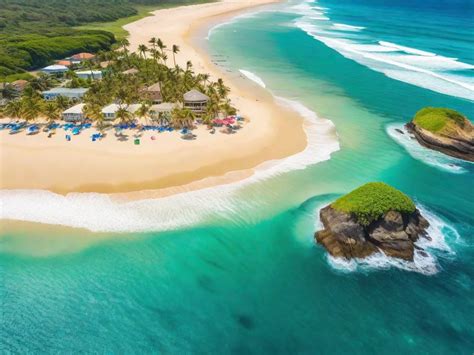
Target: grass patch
[
  {"x": 439, "y": 120},
  {"x": 372, "y": 200},
  {"x": 13, "y": 77},
  {"x": 115, "y": 27}
]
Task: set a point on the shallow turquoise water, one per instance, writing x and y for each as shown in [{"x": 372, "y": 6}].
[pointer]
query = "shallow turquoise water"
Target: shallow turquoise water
[{"x": 247, "y": 278}]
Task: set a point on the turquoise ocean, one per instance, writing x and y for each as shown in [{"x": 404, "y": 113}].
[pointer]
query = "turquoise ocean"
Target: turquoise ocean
[{"x": 234, "y": 269}]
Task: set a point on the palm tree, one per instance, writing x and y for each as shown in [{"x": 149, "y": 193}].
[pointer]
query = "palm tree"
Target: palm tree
[
  {"x": 62, "y": 102},
  {"x": 222, "y": 90},
  {"x": 51, "y": 111},
  {"x": 94, "y": 112},
  {"x": 42, "y": 82},
  {"x": 13, "y": 109},
  {"x": 155, "y": 54},
  {"x": 152, "y": 41},
  {"x": 8, "y": 92},
  {"x": 142, "y": 49},
  {"x": 164, "y": 57},
  {"x": 30, "y": 108},
  {"x": 160, "y": 45},
  {"x": 143, "y": 111},
  {"x": 123, "y": 115},
  {"x": 175, "y": 50},
  {"x": 183, "y": 118},
  {"x": 124, "y": 43}
]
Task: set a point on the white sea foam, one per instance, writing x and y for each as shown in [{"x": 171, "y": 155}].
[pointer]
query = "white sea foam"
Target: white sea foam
[
  {"x": 343, "y": 27},
  {"x": 425, "y": 261},
  {"x": 255, "y": 78},
  {"x": 411, "y": 65},
  {"x": 406, "y": 49},
  {"x": 425, "y": 155}
]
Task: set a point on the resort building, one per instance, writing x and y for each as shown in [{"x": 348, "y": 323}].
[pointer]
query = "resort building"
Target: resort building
[
  {"x": 163, "y": 110},
  {"x": 74, "y": 94},
  {"x": 110, "y": 111},
  {"x": 89, "y": 74},
  {"x": 66, "y": 63},
  {"x": 195, "y": 101},
  {"x": 153, "y": 94},
  {"x": 80, "y": 57},
  {"x": 74, "y": 113},
  {"x": 131, "y": 71},
  {"x": 55, "y": 69}
]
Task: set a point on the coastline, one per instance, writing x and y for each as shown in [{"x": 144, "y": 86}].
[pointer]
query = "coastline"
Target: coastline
[{"x": 169, "y": 164}]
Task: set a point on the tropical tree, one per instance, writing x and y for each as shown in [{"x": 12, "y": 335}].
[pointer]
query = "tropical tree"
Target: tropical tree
[
  {"x": 51, "y": 111},
  {"x": 222, "y": 90},
  {"x": 175, "y": 50},
  {"x": 62, "y": 102},
  {"x": 123, "y": 115},
  {"x": 183, "y": 118},
  {"x": 42, "y": 82},
  {"x": 31, "y": 108},
  {"x": 142, "y": 49},
  {"x": 94, "y": 112},
  {"x": 13, "y": 109},
  {"x": 143, "y": 111},
  {"x": 8, "y": 92}
]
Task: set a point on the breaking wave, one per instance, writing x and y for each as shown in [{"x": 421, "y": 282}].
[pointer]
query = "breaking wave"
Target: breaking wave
[
  {"x": 425, "y": 155},
  {"x": 411, "y": 65}
]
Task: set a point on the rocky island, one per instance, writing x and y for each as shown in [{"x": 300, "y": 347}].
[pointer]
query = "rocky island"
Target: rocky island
[
  {"x": 374, "y": 217},
  {"x": 444, "y": 130}
]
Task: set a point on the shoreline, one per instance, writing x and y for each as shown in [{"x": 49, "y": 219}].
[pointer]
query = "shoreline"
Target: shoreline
[{"x": 101, "y": 170}]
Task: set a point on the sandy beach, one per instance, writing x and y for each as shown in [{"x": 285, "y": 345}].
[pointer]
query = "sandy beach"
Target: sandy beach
[{"x": 167, "y": 164}]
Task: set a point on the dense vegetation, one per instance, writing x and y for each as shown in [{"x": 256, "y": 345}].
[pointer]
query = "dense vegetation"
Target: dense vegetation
[
  {"x": 372, "y": 200},
  {"x": 153, "y": 64},
  {"x": 439, "y": 120},
  {"x": 34, "y": 32}
]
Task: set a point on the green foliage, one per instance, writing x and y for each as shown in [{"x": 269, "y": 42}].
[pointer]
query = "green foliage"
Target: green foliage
[
  {"x": 438, "y": 120},
  {"x": 372, "y": 200}
]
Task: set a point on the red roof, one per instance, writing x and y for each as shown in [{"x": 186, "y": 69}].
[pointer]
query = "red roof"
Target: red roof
[
  {"x": 83, "y": 55},
  {"x": 66, "y": 63}
]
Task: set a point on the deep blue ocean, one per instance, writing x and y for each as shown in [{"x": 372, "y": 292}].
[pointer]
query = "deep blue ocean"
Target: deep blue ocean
[{"x": 236, "y": 271}]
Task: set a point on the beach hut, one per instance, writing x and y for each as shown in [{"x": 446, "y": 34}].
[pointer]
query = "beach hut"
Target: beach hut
[
  {"x": 110, "y": 111},
  {"x": 195, "y": 101},
  {"x": 71, "y": 93},
  {"x": 152, "y": 93},
  {"x": 89, "y": 74},
  {"x": 74, "y": 113},
  {"x": 55, "y": 69},
  {"x": 163, "y": 110}
]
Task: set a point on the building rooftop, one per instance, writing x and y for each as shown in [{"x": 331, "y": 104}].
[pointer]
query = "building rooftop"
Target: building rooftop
[
  {"x": 66, "y": 91},
  {"x": 55, "y": 67},
  {"x": 112, "y": 108},
  {"x": 82, "y": 56},
  {"x": 89, "y": 72},
  {"x": 154, "y": 87},
  {"x": 66, "y": 63},
  {"x": 75, "y": 109},
  {"x": 164, "y": 107},
  {"x": 195, "y": 96}
]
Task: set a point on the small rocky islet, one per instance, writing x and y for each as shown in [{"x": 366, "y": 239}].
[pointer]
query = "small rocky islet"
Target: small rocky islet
[
  {"x": 444, "y": 130},
  {"x": 374, "y": 217}
]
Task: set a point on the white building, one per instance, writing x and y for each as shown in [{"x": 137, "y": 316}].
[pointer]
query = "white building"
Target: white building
[
  {"x": 110, "y": 111},
  {"x": 74, "y": 113},
  {"x": 55, "y": 69},
  {"x": 71, "y": 93},
  {"x": 89, "y": 74}
]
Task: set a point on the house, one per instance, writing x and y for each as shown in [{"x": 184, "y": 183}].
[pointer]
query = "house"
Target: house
[
  {"x": 80, "y": 57},
  {"x": 66, "y": 63},
  {"x": 131, "y": 71},
  {"x": 110, "y": 111},
  {"x": 163, "y": 110},
  {"x": 75, "y": 94},
  {"x": 55, "y": 69},
  {"x": 89, "y": 74},
  {"x": 74, "y": 113},
  {"x": 152, "y": 93},
  {"x": 195, "y": 101}
]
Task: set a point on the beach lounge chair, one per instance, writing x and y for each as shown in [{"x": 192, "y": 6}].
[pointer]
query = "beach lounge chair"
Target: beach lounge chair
[
  {"x": 136, "y": 141},
  {"x": 68, "y": 137}
]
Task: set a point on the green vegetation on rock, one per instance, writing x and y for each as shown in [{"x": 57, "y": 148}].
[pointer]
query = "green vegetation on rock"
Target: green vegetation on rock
[
  {"x": 439, "y": 120},
  {"x": 372, "y": 200}
]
